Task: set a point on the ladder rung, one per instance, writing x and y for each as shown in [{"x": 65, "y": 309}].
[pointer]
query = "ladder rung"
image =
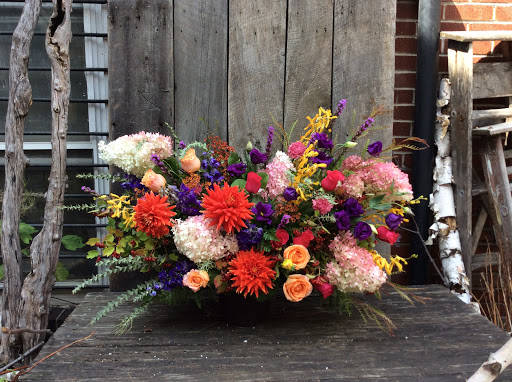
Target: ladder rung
[
  {"x": 478, "y": 115},
  {"x": 498, "y": 128},
  {"x": 480, "y": 188},
  {"x": 483, "y": 260}
]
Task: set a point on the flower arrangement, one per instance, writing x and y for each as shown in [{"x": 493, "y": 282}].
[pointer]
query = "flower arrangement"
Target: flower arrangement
[{"x": 205, "y": 217}]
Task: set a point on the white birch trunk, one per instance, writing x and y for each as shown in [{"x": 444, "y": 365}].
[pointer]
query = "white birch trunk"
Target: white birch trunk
[
  {"x": 495, "y": 364},
  {"x": 442, "y": 204}
]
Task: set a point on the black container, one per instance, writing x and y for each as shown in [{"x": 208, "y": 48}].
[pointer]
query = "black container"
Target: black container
[{"x": 241, "y": 311}]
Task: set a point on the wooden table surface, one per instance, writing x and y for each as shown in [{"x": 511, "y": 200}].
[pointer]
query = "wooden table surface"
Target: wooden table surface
[{"x": 444, "y": 340}]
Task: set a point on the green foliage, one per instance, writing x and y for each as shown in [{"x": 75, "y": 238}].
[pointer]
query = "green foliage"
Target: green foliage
[
  {"x": 72, "y": 242},
  {"x": 127, "y": 322},
  {"x": 113, "y": 178},
  {"x": 61, "y": 273},
  {"x": 79, "y": 207},
  {"x": 26, "y": 231}
]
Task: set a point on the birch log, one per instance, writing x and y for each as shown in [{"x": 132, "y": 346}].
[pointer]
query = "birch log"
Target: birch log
[
  {"x": 495, "y": 364},
  {"x": 442, "y": 204},
  {"x": 44, "y": 251},
  {"x": 20, "y": 99}
]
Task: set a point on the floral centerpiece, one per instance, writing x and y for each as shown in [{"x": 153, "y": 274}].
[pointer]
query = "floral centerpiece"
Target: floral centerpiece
[{"x": 202, "y": 216}]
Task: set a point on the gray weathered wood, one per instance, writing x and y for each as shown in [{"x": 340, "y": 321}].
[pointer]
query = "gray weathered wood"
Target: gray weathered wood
[
  {"x": 363, "y": 63},
  {"x": 469, "y": 36},
  {"x": 200, "y": 68},
  {"x": 309, "y": 61},
  {"x": 444, "y": 340},
  {"x": 140, "y": 66},
  {"x": 499, "y": 128},
  {"x": 257, "y": 50},
  {"x": 20, "y": 99},
  {"x": 492, "y": 79},
  {"x": 491, "y": 114},
  {"x": 460, "y": 68}
]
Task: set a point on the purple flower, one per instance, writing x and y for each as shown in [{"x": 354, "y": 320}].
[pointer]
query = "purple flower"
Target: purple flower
[
  {"x": 367, "y": 123},
  {"x": 168, "y": 280},
  {"x": 269, "y": 141},
  {"x": 375, "y": 149},
  {"x": 342, "y": 220},
  {"x": 290, "y": 194},
  {"x": 284, "y": 221},
  {"x": 257, "y": 157},
  {"x": 249, "y": 237},
  {"x": 204, "y": 164},
  {"x": 132, "y": 182},
  {"x": 321, "y": 158},
  {"x": 341, "y": 106},
  {"x": 393, "y": 221},
  {"x": 353, "y": 207},
  {"x": 182, "y": 145},
  {"x": 263, "y": 212},
  {"x": 215, "y": 176},
  {"x": 187, "y": 201},
  {"x": 323, "y": 141},
  {"x": 237, "y": 169},
  {"x": 362, "y": 231}
]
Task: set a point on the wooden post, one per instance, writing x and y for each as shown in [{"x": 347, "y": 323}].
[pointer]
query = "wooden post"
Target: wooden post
[{"x": 460, "y": 59}]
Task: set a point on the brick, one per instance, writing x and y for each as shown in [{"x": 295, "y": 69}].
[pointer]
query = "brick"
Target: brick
[
  {"x": 503, "y": 13},
  {"x": 404, "y": 96},
  {"x": 405, "y": 63},
  {"x": 406, "y": 28},
  {"x": 451, "y": 26},
  {"x": 468, "y": 12},
  {"x": 489, "y": 26},
  {"x": 443, "y": 64},
  {"x": 406, "y": 45},
  {"x": 482, "y": 47},
  {"x": 405, "y": 80},
  {"x": 406, "y": 10},
  {"x": 492, "y": 1},
  {"x": 403, "y": 129},
  {"x": 407, "y": 161},
  {"x": 404, "y": 113}
]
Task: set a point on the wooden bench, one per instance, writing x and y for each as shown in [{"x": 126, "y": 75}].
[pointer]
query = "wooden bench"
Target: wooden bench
[{"x": 480, "y": 81}]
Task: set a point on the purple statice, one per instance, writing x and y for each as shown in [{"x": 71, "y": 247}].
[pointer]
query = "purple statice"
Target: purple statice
[
  {"x": 263, "y": 212},
  {"x": 353, "y": 208},
  {"x": 361, "y": 129},
  {"x": 284, "y": 221},
  {"x": 168, "y": 280},
  {"x": 375, "y": 149},
  {"x": 249, "y": 237},
  {"x": 187, "y": 201},
  {"x": 269, "y": 141},
  {"x": 341, "y": 106},
  {"x": 157, "y": 161},
  {"x": 393, "y": 221},
  {"x": 342, "y": 220},
  {"x": 290, "y": 193},
  {"x": 362, "y": 231},
  {"x": 237, "y": 169},
  {"x": 322, "y": 141},
  {"x": 257, "y": 156},
  {"x": 90, "y": 191},
  {"x": 204, "y": 164},
  {"x": 321, "y": 158},
  {"x": 213, "y": 176},
  {"x": 182, "y": 145},
  {"x": 132, "y": 183}
]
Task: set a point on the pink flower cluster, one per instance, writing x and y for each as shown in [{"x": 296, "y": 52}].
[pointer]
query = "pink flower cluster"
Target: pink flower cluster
[
  {"x": 322, "y": 205},
  {"x": 374, "y": 176},
  {"x": 278, "y": 175},
  {"x": 354, "y": 269},
  {"x": 296, "y": 149}
]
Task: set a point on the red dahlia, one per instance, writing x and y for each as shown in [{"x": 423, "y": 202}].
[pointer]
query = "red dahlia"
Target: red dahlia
[
  {"x": 153, "y": 215},
  {"x": 252, "y": 272}
]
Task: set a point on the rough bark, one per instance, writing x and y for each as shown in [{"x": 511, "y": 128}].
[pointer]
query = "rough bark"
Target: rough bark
[
  {"x": 442, "y": 203},
  {"x": 20, "y": 99},
  {"x": 495, "y": 364},
  {"x": 44, "y": 250}
]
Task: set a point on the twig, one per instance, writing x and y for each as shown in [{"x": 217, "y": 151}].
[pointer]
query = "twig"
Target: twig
[
  {"x": 15, "y": 379},
  {"x": 23, "y": 330},
  {"x": 21, "y": 357}
]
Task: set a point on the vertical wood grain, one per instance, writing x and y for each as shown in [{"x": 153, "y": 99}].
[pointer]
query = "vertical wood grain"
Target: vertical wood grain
[
  {"x": 256, "y": 63},
  {"x": 200, "y": 67}
]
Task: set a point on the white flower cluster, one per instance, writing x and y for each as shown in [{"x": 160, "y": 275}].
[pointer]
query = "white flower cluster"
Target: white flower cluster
[
  {"x": 132, "y": 153},
  {"x": 200, "y": 242}
]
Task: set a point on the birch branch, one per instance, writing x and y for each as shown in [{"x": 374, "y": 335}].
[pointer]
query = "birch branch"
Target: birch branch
[{"x": 495, "y": 364}]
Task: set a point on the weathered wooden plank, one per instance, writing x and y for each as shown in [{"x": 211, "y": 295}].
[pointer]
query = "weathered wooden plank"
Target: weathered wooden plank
[
  {"x": 479, "y": 115},
  {"x": 140, "y": 66},
  {"x": 200, "y": 68},
  {"x": 460, "y": 68},
  {"x": 469, "y": 36},
  {"x": 308, "y": 61},
  {"x": 492, "y": 79},
  {"x": 363, "y": 63},
  {"x": 498, "y": 128},
  {"x": 256, "y": 51}
]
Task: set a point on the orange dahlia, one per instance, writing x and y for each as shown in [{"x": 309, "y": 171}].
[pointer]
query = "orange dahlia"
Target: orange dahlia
[
  {"x": 227, "y": 207},
  {"x": 252, "y": 272},
  {"x": 153, "y": 215}
]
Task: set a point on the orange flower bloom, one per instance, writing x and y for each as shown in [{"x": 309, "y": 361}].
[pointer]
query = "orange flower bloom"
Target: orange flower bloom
[
  {"x": 153, "y": 215},
  {"x": 190, "y": 162},
  {"x": 153, "y": 181},
  {"x": 227, "y": 207},
  {"x": 252, "y": 272},
  {"x": 298, "y": 254},
  {"x": 297, "y": 287}
]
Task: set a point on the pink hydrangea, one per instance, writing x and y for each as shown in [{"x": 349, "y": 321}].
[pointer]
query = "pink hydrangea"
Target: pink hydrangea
[
  {"x": 296, "y": 149},
  {"x": 353, "y": 269},
  {"x": 322, "y": 205},
  {"x": 278, "y": 176}
]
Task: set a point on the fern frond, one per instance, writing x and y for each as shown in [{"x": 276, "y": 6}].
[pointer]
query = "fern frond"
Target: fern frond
[
  {"x": 379, "y": 317},
  {"x": 406, "y": 293}
]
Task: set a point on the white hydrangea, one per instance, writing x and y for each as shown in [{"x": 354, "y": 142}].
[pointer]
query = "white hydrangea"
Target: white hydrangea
[
  {"x": 200, "y": 242},
  {"x": 132, "y": 153}
]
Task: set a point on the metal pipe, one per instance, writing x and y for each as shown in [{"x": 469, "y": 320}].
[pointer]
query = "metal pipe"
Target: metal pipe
[{"x": 429, "y": 15}]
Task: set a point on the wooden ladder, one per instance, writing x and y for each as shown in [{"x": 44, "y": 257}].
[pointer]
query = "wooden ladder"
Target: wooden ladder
[{"x": 471, "y": 81}]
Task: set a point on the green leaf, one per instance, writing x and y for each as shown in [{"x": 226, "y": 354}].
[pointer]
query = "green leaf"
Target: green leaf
[
  {"x": 233, "y": 158},
  {"x": 26, "y": 231},
  {"x": 108, "y": 251},
  {"x": 109, "y": 239},
  {"x": 375, "y": 201},
  {"x": 1, "y": 272},
  {"x": 173, "y": 257},
  {"x": 240, "y": 183},
  {"x": 173, "y": 164},
  {"x": 61, "y": 273},
  {"x": 92, "y": 241},
  {"x": 93, "y": 254},
  {"x": 264, "y": 179},
  {"x": 72, "y": 242}
]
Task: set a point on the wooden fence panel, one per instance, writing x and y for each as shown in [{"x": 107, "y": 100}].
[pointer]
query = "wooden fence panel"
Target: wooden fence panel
[
  {"x": 200, "y": 67},
  {"x": 364, "y": 62},
  {"x": 140, "y": 66},
  {"x": 308, "y": 61},
  {"x": 257, "y": 49}
]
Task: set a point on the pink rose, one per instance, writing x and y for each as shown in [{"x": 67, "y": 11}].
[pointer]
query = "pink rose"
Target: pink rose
[
  {"x": 322, "y": 205},
  {"x": 296, "y": 149},
  {"x": 330, "y": 182},
  {"x": 153, "y": 181},
  {"x": 253, "y": 182},
  {"x": 386, "y": 235},
  {"x": 321, "y": 285}
]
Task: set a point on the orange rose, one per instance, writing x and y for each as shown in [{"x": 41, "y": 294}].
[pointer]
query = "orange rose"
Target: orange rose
[
  {"x": 153, "y": 181},
  {"x": 196, "y": 279},
  {"x": 190, "y": 163},
  {"x": 297, "y": 287},
  {"x": 298, "y": 254}
]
